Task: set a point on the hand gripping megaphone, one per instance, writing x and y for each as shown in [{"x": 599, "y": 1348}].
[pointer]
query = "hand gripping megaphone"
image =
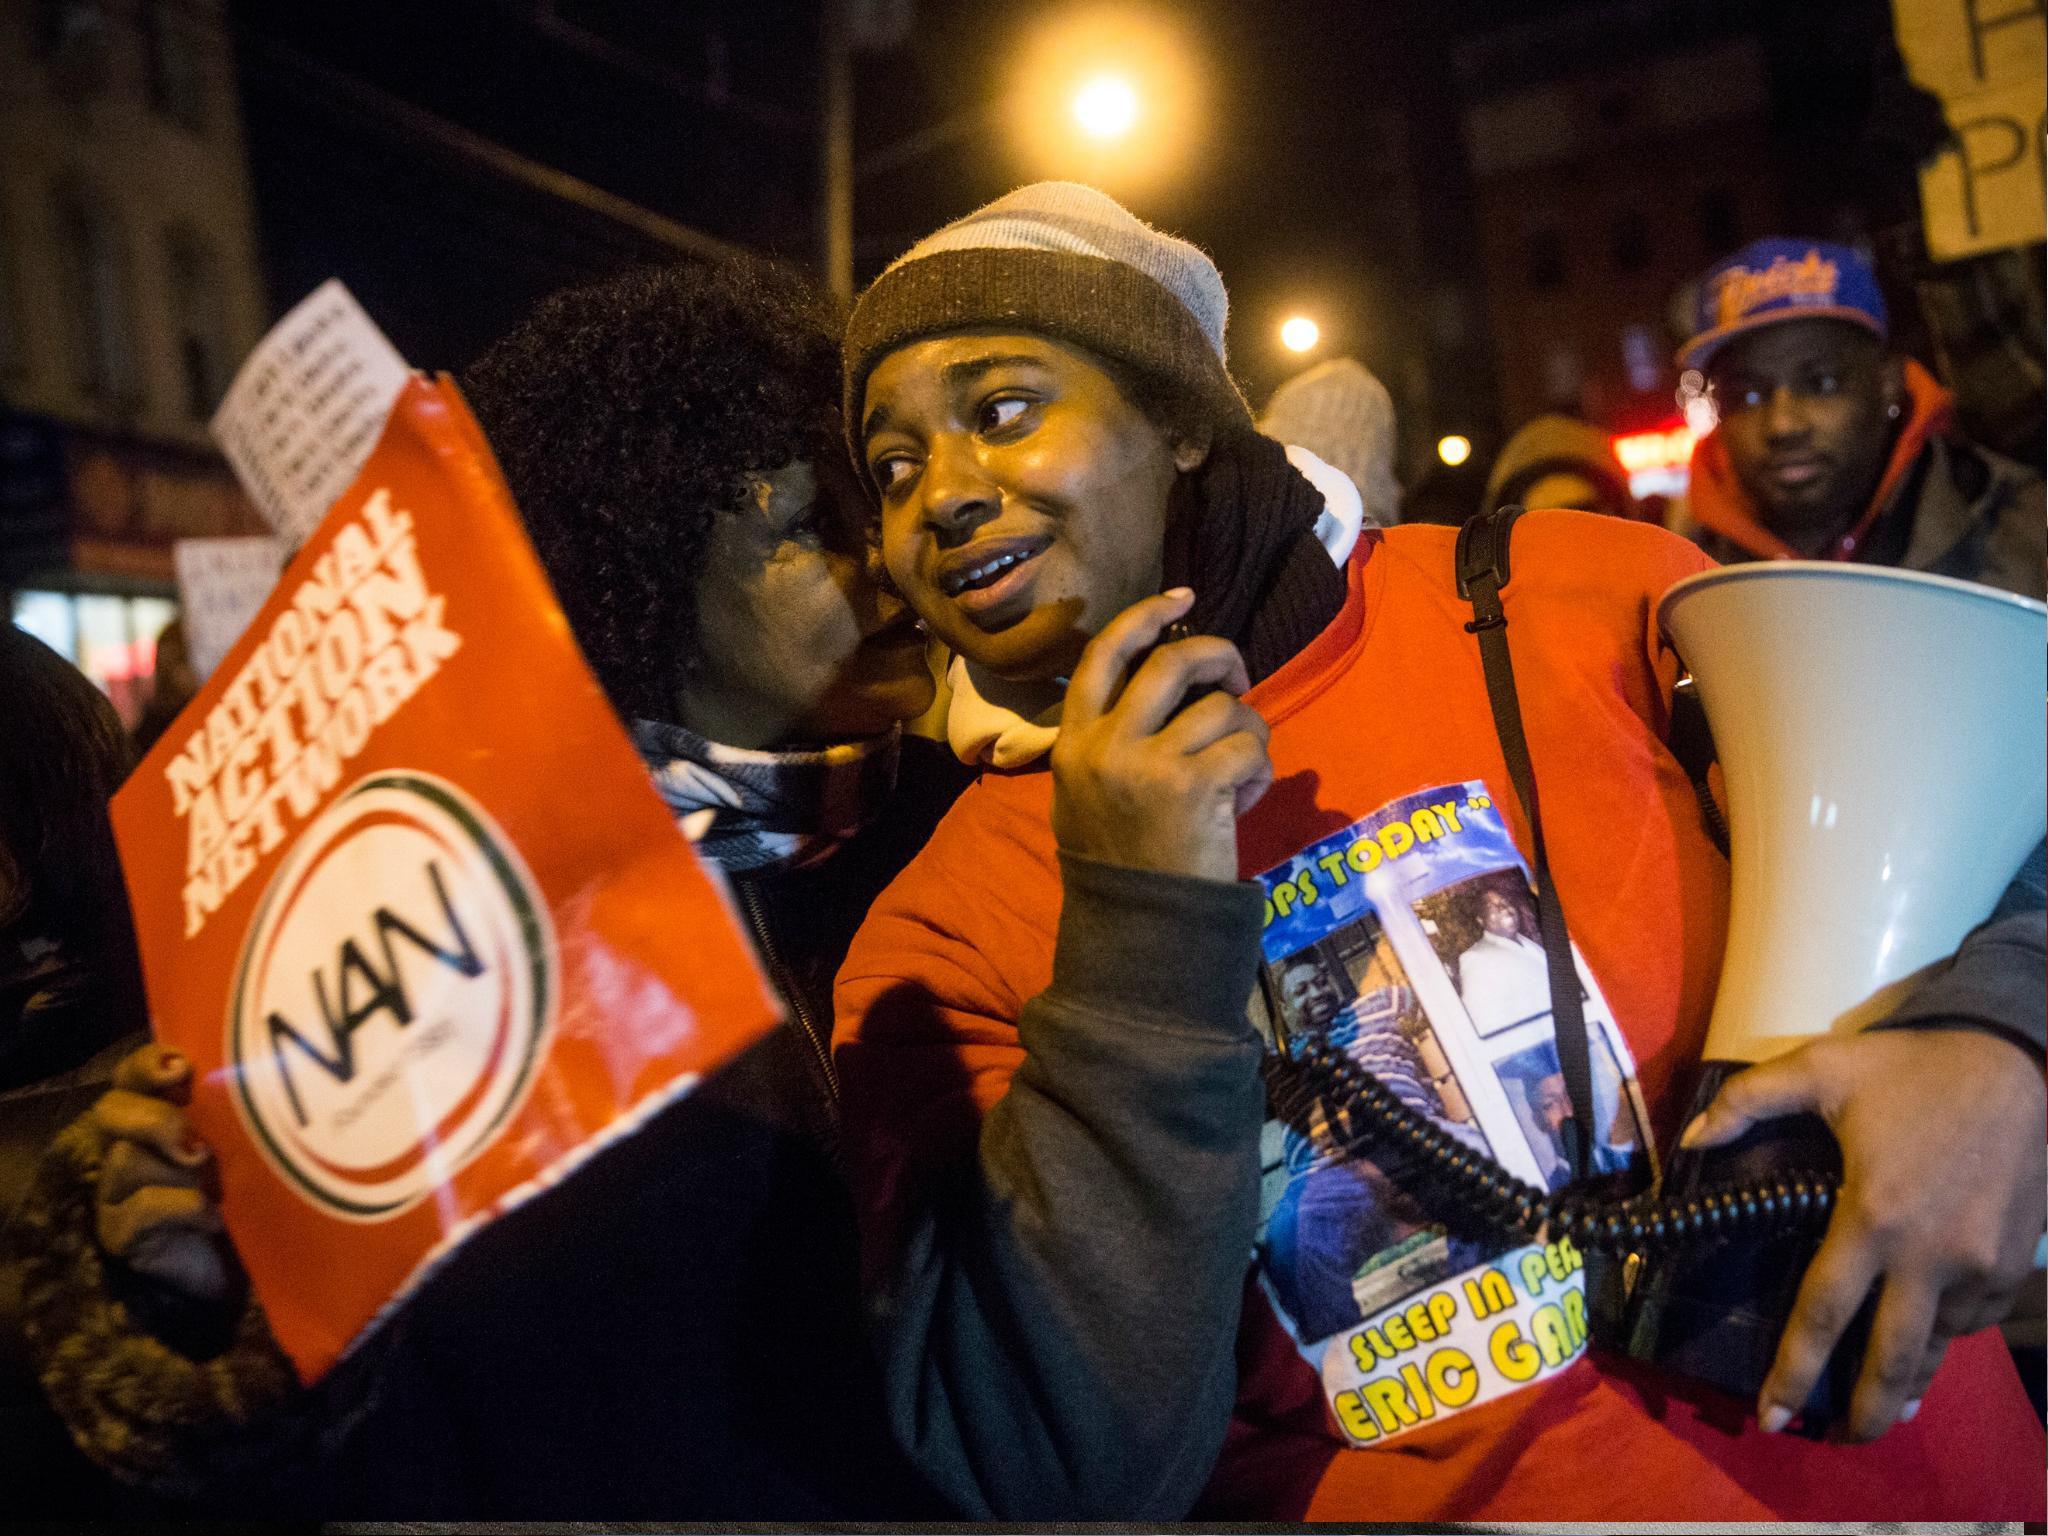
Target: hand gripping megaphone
[{"x": 1883, "y": 740}]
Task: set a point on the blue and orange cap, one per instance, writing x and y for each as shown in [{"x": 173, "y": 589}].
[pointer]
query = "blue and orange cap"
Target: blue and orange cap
[{"x": 1772, "y": 280}]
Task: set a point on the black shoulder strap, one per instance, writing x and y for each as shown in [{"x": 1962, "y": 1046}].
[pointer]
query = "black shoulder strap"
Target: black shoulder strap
[
  {"x": 1482, "y": 559},
  {"x": 1692, "y": 743}
]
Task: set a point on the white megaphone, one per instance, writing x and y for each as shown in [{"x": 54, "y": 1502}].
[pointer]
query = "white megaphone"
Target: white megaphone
[{"x": 1883, "y": 740}]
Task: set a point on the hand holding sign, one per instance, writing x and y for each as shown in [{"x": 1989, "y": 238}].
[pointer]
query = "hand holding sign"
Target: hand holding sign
[{"x": 156, "y": 1207}]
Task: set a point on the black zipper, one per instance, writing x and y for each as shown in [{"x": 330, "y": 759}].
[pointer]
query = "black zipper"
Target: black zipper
[{"x": 785, "y": 982}]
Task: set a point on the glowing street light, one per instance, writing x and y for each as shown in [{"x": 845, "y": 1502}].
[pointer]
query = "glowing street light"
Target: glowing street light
[
  {"x": 1454, "y": 450},
  {"x": 1300, "y": 334},
  {"x": 1106, "y": 107},
  {"x": 1106, "y": 92}
]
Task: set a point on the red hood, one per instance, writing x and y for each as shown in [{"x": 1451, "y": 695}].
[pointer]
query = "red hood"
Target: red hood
[{"x": 1718, "y": 501}]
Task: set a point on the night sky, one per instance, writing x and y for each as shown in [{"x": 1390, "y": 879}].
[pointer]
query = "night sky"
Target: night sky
[
  {"x": 1289, "y": 189},
  {"x": 1323, "y": 168}
]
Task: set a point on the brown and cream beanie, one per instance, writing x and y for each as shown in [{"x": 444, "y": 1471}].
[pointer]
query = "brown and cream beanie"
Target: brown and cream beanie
[{"x": 1058, "y": 259}]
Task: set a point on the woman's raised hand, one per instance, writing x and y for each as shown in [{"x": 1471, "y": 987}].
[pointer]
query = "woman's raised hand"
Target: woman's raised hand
[{"x": 1138, "y": 779}]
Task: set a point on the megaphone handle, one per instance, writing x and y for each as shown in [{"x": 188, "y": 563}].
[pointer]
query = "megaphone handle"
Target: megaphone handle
[{"x": 1718, "y": 1315}]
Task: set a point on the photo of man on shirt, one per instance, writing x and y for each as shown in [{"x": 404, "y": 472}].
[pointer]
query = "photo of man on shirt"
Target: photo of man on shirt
[{"x": 1503, "y": 976}]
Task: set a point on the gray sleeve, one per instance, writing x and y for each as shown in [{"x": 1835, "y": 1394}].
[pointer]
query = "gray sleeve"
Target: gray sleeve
[
  {"x": 1059, "y": 1329},
  {"x": 1998, "y": 980}
]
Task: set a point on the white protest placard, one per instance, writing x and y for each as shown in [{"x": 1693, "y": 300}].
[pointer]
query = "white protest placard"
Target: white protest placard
[
  {"x": 221, "y": 584},
  {"x": 307, "y": 407}
]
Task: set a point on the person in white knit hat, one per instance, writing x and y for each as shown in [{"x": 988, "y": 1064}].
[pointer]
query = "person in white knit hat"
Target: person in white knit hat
[{"x": 1340, "y": 412}]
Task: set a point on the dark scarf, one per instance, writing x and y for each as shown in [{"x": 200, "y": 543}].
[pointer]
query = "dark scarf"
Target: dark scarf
[
  {"x": 1247, "y": 545},
  {"x": 753, "y": 812}
]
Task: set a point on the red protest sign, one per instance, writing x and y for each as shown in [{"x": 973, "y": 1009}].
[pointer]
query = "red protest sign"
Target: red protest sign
[{"x": 406, "y": 898}]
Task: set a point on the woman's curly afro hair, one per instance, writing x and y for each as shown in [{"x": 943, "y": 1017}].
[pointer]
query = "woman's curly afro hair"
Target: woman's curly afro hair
[{"x": 630, "y": 414}]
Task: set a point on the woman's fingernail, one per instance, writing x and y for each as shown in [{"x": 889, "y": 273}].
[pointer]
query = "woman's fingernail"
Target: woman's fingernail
[
  {"x": 1773, "y": 1419},
  {"x": 1178, "y": 593},
  {"x": 1694, "y": 1131},
  {"x": 1906, "y": 1413}
]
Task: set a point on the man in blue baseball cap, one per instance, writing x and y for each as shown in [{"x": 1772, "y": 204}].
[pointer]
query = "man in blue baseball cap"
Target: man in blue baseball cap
[{"x": 1833, "y": 447}]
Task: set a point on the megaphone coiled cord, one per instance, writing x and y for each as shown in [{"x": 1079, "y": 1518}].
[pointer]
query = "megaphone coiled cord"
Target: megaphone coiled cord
[{"x": 1364, "y": 1116}]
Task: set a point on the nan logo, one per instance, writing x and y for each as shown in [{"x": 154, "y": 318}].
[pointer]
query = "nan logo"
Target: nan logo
[{"x": 392, "y": 997}]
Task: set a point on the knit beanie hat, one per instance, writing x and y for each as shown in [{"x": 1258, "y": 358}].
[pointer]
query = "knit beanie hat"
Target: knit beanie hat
[
  {"x": 1557, "y": 445},
  {"x": 1343, "y": 415},
  {"x": 1063, "y": 260}
]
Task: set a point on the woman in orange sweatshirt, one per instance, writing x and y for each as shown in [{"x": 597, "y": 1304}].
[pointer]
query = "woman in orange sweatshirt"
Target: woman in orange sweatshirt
[{"x": 1051, "y": 1096}]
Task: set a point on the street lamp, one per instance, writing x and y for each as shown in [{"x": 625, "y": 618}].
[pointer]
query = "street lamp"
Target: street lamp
[
  {"x": 1106, "y": 107},
  {"x": 1108, "y": 96},
  {"x": 1300, "y": 334}
]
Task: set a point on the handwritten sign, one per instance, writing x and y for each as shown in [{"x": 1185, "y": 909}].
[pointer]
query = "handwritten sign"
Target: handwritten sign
[
  {"x": 1985, "y": 60},
  {"x": 306, "y": 408}
]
